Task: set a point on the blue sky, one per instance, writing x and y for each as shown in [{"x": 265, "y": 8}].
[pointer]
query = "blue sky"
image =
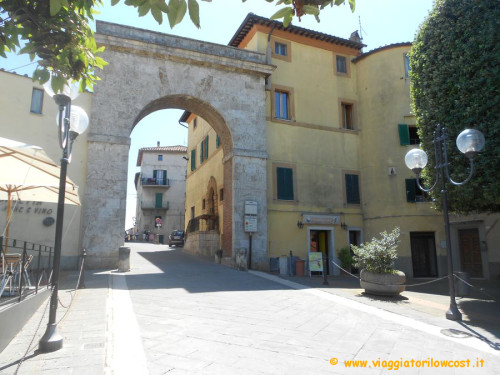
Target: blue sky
[{"x": 382, "y": 22}]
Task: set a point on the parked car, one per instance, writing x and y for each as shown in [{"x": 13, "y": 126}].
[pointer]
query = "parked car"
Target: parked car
[{"x": 176, "y": 238}]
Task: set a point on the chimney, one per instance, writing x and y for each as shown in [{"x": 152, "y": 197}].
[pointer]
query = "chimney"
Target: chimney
[
  {"x": 158, "y": 144},
  {"x": 355, "y": 37}
]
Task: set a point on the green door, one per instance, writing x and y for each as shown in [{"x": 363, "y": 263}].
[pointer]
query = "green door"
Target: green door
[{"x": 159, "y": 200}]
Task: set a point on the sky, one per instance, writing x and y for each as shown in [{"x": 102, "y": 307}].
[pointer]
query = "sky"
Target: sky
[{"x": 379, "y": 23}]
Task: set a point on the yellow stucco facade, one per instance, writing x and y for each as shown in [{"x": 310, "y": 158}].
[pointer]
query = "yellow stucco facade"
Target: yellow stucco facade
[
  {"x": 19, "y": 123},
  {"x": 335, "y": 170}
]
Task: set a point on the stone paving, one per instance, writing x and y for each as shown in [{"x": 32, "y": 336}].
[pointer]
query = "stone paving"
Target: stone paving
[{"x": 177, "y": 314}]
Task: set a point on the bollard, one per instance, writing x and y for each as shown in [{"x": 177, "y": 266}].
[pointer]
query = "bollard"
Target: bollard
[{"x": 124, "y": 259}]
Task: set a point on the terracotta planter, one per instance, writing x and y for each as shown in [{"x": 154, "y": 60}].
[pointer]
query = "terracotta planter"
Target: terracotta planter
[{"x": 383, "y": 284}]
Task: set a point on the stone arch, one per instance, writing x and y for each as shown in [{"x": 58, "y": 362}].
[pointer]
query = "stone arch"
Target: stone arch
[{"x": 148, "y": 71}]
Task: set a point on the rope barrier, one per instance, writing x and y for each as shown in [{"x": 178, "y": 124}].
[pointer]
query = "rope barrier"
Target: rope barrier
[{"x": 475, "y": 287}]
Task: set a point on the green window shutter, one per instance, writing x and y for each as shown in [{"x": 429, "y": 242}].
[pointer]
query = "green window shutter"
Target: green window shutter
[
  {"x": 193, "y": 159},
  {"x": 411, "y": 190},
  {"x": 206, "y": 147},
  {"x": 352, "y": 189},
  {"x": 158, "y": 200},
  {"x": 164, "y": 179},
  {"x": 404, "y": 134},
  {"x": 154, "y": 173},
  {"x": 285, "y": 183},
  {"x": 201, "y": 152},
  {"x": 217, "y": 141}
]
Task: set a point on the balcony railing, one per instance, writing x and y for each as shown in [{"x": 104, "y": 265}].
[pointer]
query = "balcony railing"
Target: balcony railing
[
  {"x": 203, "y": 223},
  {"x": 152, "y": 205},
  {"x": 147, "y": 181}
]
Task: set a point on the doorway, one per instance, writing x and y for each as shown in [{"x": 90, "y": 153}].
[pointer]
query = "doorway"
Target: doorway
[
  {"x": 423, "y": 254},
  {"x": 470, "y": 252},
  {"x": 321, "y": 240}
]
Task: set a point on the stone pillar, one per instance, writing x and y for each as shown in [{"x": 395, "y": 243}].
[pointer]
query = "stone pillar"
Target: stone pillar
[
  {"x": 249, "y": 183},
  {"x": 227, "y": 224},
  {"x": 105, "y": 200}
]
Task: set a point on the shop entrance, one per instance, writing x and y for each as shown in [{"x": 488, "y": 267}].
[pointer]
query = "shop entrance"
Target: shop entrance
[{"x": 321, "y": 240}]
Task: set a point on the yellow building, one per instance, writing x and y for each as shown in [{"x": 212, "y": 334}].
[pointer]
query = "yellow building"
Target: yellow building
[
  {"x": 29, "y": 116},
  {"x": 338, "y": 126}
]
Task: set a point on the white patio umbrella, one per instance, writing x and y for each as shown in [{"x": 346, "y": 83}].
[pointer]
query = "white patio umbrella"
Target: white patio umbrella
[{"x": 28, "y": 174}]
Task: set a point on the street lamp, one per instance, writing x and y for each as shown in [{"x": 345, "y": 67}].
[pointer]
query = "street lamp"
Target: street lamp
[
  {"x": 469, "y": 142},
  {"x": 71, "y": 122}
]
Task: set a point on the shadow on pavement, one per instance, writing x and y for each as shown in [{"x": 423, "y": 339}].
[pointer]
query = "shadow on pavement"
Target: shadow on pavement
[{"x": 194, "y": 274}]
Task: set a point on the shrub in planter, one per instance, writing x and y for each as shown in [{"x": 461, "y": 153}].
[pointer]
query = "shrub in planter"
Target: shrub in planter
[{"x": 376, "y": 261}]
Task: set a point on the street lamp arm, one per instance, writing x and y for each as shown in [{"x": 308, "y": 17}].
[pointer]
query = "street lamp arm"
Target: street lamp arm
[
  {"x": 428, "y": 190},
  {"x": 471, "y": 171}
]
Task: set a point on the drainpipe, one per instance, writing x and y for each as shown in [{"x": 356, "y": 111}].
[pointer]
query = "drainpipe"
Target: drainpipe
[{"x": 268, "y": 56}]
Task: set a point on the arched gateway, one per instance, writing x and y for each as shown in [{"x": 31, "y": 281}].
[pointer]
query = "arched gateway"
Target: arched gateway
[{"x": 149, "y": 71}]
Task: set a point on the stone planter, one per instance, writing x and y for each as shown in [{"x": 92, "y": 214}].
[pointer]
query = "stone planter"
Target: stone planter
[{"x": 383, "y": 284}]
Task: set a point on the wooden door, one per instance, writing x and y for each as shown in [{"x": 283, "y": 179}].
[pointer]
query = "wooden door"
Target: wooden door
[
  {"x": 423, "y": 254},
  {"x": 470, "y": 252}
]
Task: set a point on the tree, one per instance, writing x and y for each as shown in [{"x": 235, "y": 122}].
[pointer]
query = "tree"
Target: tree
[
  {"x": 455, "y": 80},
  {"x": 58, "y": 31}
]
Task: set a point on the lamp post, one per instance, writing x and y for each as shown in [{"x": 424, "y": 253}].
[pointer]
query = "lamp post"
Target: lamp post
[
  {"x": 71, "y": 122},
  {"x": 469, "y": 142}
]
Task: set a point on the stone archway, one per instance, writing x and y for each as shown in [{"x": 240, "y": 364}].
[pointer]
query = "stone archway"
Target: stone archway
[{"x": 149, "y": 71}]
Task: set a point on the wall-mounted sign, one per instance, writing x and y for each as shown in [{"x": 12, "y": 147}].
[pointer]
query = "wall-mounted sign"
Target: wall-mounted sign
[
  {"x": 321, "y": 219},
  {"x": 250, "y": 207},
  {"x": 250, "y": 223}
]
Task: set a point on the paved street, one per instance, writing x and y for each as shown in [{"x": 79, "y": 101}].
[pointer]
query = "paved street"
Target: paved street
[{"x": 177, "y": 314}]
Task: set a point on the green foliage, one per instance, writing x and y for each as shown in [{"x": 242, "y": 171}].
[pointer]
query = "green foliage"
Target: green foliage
[
  {"x": 455, "y": 76},
  {"x": 345, "y": 257},
  {"x": 378, "y": 255},
  {"x": 58, "y": 31}
]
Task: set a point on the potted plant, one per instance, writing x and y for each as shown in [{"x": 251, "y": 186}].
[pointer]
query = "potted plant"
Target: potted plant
[
  {"x": 346, "y": 259},
  {"x": 376, "y": 261}
]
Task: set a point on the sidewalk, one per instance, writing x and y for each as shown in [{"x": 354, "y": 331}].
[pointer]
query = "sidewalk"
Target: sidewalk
[
  {"x": 428, "y": 302},
  {"x": 179, "y": 314}
]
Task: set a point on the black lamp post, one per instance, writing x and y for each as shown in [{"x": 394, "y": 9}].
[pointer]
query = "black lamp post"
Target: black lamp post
[
  {"x": 72, "y": 121},
  {"x": 469, "y": 142}
]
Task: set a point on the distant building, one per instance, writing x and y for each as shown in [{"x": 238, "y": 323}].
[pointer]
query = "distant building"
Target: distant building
[{"x": 161, "y": 187}]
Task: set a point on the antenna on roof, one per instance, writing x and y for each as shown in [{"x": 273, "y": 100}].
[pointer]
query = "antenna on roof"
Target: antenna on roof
[{"x": 360, "y": 29}]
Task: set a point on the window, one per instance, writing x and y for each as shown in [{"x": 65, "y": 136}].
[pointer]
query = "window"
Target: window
[
  {"x": 192, "y": 212},
  {"x": 280, "y": 49},
  {"x": 195, "y": 123},
  {"x": 36, "y": 101},
  {"x": 281, "y": 105},
  {"x": 284, "y": 182},
  {"x": 204, "y": 150},
  {"x": 413, "y": 192},
  {"x": 221, "y": 195},
  {"x": 347, "y": 119},
  {"x": 217, "y": 141},
  {"x": 193, "y": 159},
  {"x": 407, "y": 65},
  {"x": 341, "y": 64},
  {"x": 160, "y": 176},
  {"x": 160, "y": 157},
  {"x": 352, "y": 188},
  {"x": 203, "y": 202},
  {"x": 158, "y": 200},
  {"x": 408, "y": 135}
]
